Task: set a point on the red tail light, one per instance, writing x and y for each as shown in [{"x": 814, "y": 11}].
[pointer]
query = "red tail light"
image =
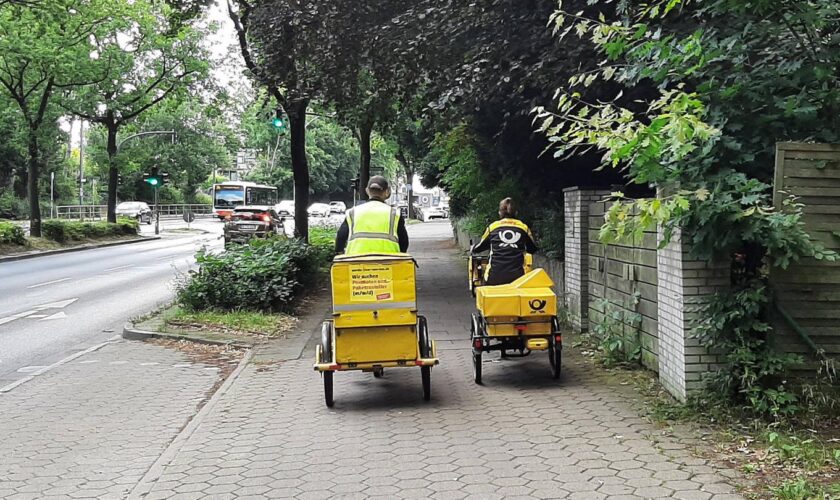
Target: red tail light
[
  {"x": 521, "y": 328},
  {"x": 265, "y": 218}
]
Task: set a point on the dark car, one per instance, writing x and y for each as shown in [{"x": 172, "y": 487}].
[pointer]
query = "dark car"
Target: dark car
[{"x": 252, "y": 221}]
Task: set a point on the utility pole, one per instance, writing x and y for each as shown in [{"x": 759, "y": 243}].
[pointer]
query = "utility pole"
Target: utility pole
[
  {"x": 52, "y": 194},
  {"x": 81, "y": 166},
  {"x": 157, "y": 211}
]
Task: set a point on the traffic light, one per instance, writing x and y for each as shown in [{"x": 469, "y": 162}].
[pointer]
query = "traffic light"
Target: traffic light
[
  {"x": 278, "y": 123},
  {"x": 154, "y": 178}
]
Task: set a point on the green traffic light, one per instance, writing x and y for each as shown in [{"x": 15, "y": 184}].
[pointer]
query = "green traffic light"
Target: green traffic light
[
  {"x": 278, "y": 123},
  {"x": 153, "y": 181}
]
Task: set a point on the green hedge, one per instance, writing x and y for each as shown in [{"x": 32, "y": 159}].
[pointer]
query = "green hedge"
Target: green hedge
[
  {"x": 264, "y": 275},
  {"x": 69, "y": 230},
  {"x": 11, "y": 234}
]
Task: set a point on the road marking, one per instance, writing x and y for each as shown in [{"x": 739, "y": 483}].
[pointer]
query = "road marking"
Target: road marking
[
  {"x": 61, "y": 304},
  {"x": 52, "y": 305},
  {"x": 30, "y": 369},
  {"x": 13, "y": 317},
  {"x": 58, "y": 315},
  {"x": 118, "y": 268},
  {"x": 49, "y": 283},
  {"x": 68, "y": 359}
]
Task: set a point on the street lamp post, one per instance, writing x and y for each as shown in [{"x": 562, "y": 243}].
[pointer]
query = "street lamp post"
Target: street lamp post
[{"x": 143, "y": 134}]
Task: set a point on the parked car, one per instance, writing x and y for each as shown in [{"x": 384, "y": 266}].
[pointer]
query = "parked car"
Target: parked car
[
  {"x": 286, "y": 208},
  {"x": 252, "y": 221},
  {"x": 337, "y": 207},
  {"x": 319, "y": 210},
  {"x": 135, "y": 210},
  {"x": 430, "y": 213}
]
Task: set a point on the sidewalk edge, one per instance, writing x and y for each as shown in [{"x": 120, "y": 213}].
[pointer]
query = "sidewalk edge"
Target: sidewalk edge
[
  {"x": 45, "y": 253},
  {"x": 147, "y": 482},
  {"x": 131, "y": 333}
]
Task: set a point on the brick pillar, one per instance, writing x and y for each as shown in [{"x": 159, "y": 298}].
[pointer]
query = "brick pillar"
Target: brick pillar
[
  {"x": 684, "y": 286},
  {"x": 576, "y": 203}
]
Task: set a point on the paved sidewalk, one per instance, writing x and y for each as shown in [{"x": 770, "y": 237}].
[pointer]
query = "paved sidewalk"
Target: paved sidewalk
[
  {"x": 521, "y": 434},
  {"x": 92, "y": 427}
]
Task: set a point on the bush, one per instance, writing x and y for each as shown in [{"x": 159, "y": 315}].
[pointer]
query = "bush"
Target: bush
[
  {"x": 12, "y": 207},
  {"x": 264, "y": 275},
  {"x": 69, "y": 230},
  {"x": 11, "y": 234},
  {"x": 322, "y": 239}
]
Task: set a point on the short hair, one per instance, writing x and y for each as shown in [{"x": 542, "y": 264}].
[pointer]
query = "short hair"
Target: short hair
[
  {"x": 378, "y": 183},
  {"x": 507, "y": 208}
]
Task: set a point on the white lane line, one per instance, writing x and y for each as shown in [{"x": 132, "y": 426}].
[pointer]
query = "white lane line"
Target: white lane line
[
  {"x": 9, "y": 319},
  {"x": 68, "y": 359},
  {"x": 118, "y": 268},
  {"x": 48, "y": 283}
]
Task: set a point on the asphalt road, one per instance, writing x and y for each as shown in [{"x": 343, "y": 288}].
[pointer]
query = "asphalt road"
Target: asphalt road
[{"x": 54, "y": 306}]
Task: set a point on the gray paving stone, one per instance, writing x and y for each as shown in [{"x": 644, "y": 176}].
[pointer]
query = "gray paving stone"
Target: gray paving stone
[{"x": 520, "y": 435}]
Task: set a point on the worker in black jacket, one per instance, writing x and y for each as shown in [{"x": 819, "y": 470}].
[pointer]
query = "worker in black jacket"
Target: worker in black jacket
[{"x": 508, "y": 240}]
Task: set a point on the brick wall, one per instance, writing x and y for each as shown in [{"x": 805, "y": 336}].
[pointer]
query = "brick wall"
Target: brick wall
[
  {"x": 576, "y": 265},
  {"x": 685, "y": 284},
  {"x": 623, "y": 278}
]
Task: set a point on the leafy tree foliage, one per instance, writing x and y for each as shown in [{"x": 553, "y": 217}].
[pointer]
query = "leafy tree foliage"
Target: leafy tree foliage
[
  {"x": 32, "y": 70},
  {"x": 332, "y": 154},
  {"x": 206, "y": 143},
  {"x": 146, "y": 59}
]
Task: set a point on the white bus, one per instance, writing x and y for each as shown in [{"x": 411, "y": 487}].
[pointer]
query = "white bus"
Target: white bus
[{"x": 228, "y": 195}]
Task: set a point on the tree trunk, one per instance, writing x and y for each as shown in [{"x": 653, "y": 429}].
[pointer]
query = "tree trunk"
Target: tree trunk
[
  {"x": 113, "y": 171},
  {"x": 32, "y": 184},
  {"x": 296, "y": 111},
  {"x": 365, "y": 129}
]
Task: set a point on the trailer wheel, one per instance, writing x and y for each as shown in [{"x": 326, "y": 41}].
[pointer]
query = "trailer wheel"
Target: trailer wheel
[
  {"x": 555, "y": 358},
  {"x": 328, "y": 389},
  {"x": 477, "y": 366},
  {"x": 326, "y": 342},
  {"x": 425, "y": 343},
  {"x": 426, "y": 374}
]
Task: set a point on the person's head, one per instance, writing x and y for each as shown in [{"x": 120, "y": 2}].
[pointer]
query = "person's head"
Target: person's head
[
  {"x": 378, "y": 188},
  {"x": 507, "y": 209}
]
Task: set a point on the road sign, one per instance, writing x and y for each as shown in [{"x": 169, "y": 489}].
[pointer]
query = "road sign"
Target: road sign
[{"x": 189, "y": 217}]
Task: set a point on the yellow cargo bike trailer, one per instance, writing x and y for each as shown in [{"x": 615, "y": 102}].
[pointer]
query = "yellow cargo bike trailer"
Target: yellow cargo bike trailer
[
  {"x": 375, "y": 323},
  {"x": 515, "y": 319}
]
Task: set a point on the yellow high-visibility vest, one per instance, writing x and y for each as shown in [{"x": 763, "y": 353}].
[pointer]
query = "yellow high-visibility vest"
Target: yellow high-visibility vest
[{"x": 373, "y": 229}]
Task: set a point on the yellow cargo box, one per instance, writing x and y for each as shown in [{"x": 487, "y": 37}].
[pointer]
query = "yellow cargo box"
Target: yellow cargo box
[
  {"x": 528, "y": 297},
  {"x": 387, "y": 343},
  {"x": 374, "y": 290}
]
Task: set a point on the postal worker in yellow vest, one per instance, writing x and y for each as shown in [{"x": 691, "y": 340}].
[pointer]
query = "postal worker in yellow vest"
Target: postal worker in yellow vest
[{"x": 373, "y": 227}]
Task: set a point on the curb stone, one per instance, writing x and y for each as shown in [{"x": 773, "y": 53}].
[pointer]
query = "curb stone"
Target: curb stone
[
  {"x": 45, "y": 253},
  {"x": 131, "y": 333}
]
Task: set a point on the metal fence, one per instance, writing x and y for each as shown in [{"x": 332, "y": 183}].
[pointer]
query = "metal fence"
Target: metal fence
[{"x": 100, "y": 212}]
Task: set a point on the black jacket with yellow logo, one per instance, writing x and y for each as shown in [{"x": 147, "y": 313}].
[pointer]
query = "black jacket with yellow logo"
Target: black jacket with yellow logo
[{"x": 508, "y": 241}]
